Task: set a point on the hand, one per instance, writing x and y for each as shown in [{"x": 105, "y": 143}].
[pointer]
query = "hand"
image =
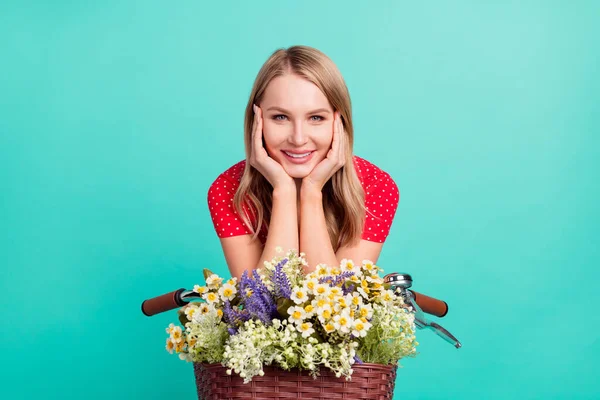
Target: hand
[
  {"x": 336, "y": 158},
  {"x": 259, "y": 158}
]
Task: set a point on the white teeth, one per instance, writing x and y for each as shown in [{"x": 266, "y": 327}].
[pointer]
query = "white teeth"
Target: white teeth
[{"x": 297, "y": 155}]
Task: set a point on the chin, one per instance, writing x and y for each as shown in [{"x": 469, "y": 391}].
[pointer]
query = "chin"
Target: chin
[{"x": 298, "y": 173}]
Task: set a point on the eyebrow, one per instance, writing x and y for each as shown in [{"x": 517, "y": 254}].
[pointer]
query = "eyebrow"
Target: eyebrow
[{"x": 319, "y": 110}]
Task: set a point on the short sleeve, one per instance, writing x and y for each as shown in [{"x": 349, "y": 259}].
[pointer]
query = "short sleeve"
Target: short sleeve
[
  {"x": 225, "y": 219},
  {"x": 381, "y": 201}
]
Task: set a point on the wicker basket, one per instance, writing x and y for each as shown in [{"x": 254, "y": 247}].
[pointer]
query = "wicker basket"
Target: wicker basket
[{"x": 369, "y": 382}]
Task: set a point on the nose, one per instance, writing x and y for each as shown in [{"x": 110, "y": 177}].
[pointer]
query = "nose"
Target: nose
[{"x": 299, "y": 135}]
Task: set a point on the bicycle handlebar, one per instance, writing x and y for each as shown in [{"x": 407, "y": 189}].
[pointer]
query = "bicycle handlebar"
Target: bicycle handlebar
[
  {"x": 162, "y": 303},
  {"x": 431, "y": 305},
  {"x": 180, "y": 297}
]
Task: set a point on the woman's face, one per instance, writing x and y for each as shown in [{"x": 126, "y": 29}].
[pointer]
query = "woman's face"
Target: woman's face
[{"x": 297, "y": 124}]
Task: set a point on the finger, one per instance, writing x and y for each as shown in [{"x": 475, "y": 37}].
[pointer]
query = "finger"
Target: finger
[
  {"x": 337, "y": 136},
  {"x": 258, "y": 131},
  {"x": 343, "y": 142}
]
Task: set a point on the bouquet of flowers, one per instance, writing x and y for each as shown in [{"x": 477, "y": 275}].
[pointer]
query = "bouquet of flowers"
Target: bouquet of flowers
[{"x": 333, "y": 317}]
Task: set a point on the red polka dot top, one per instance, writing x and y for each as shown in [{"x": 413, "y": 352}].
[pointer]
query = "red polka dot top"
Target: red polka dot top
[{"x": 381, "y": 198}]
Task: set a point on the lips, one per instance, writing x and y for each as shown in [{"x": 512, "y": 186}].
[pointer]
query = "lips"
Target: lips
[
  {"x": 297, "y": 157},
  {"x": 297, "y": 154}
]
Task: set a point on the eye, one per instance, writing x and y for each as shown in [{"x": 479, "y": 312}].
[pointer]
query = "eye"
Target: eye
[
  {"x": 276, "y": 117},
  {"x": 318, "y": 118}
]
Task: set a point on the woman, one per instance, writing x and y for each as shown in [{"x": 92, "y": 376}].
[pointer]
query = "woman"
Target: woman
[{"x": 300, "y": 186}]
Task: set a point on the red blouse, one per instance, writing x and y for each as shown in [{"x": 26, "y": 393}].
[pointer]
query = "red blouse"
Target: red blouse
[{"x": 381, "y": 201}]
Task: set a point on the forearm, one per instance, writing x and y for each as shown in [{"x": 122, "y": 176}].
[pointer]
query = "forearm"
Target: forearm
[
  {"x": 283, "y": 226},
  {"x": 314, "y": 237}
]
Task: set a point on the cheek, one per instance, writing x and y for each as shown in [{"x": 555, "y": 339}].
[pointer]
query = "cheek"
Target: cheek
[
  {"x": 324, "y": 137},
  {"x": 273, "y": 136}
]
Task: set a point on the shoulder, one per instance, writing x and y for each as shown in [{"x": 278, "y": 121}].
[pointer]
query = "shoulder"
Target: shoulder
[
  {"x": 224, "y": 187},
  {"x": 230, "y": 178},
  {"x": 233, "y": 173},
  {"x": 370, "y": 174}
]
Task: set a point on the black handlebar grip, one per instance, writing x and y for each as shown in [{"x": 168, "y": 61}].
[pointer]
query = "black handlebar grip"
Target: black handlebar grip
[{"x": 165, "y": 302}]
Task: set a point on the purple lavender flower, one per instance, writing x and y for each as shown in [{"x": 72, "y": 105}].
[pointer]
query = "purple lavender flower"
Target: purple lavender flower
[
  {"x": 337, "y": 280},
  {"x": 281, "y": 281},
  {"x": 234, "y": 317},
  {"x": 358, "y": 360},
  {"x": 348, "y": 289},
  {"x": 260, "y": 303}
]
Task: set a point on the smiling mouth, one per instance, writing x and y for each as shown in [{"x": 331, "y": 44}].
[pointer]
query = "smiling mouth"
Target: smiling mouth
[{"x": 298, "y": 155}]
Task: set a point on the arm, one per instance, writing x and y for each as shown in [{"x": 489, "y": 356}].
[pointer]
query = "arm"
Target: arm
[
  {"x": 241, "y": 253},
  {"x": 315, "y": 242},
  {"x": 314, "y": 238},
  {"x": 283, "y": 226}
]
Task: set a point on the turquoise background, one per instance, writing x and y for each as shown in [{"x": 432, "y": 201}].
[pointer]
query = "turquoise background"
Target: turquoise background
[{"x": 116, "y": 116}]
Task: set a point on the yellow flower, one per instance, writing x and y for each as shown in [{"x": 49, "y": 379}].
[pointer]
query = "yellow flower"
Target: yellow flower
[
  {"x": 200, "y": 289},
  {"x": 368, "y": 265},
  {"x": 219, "y": 312},
  {"x": 179, "y": 347},
  {"x": 297, "y": 314},
  {"x": 387, "y": 295},
  {"x": 204, "y": 309},
  {"x": 170, "y": 328},
  {"x": 321, "y": 289},
  {"x": 360, "y": 328},
  {"x": 214, "y": 281},
  {"x": 190, "y": 311},
  {"x": 170, "y": 345},
  {"x": 311, "y": 284},
  {"x": 329, "y": 327},
  {"x": 211, "y": 297},
  {"x": 349, "y": 265},
  {"x": 299, "y": 295},
  {"x": 306, "y": 329},
  {"x": 227, "y": 292},
  {"x": 176, "y": 334}
]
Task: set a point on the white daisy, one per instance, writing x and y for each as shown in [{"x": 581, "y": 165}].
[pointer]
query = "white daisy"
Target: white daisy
[
  {"x": 329, "y": 327},
  {"x": 365, "y": 311},
  {"x": 227, "y": 292},
  {"x": 213, "y": 281},
  {"x": 310, "y": 285},
  {"x": 297, "y": 314},
  {"x": 211, "y": 297},
  {"x": 324, "y": 313},
  {"x": 343, "y": 322},
  {"x": 190, "y": 310},
  {"x": 299, "y": 295},
  {"x": 322, "y": 289},
  {"x": 360, "y": 327},
  {"x": 306, "y": 329},
  {"x": 200, "y": 289}
]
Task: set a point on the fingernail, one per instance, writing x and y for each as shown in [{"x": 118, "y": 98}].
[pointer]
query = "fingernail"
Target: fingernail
[{"x": 254, "y": 108}]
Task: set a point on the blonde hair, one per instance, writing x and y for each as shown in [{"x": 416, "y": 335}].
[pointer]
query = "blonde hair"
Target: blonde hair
[{"x": 343, "y": 196}]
